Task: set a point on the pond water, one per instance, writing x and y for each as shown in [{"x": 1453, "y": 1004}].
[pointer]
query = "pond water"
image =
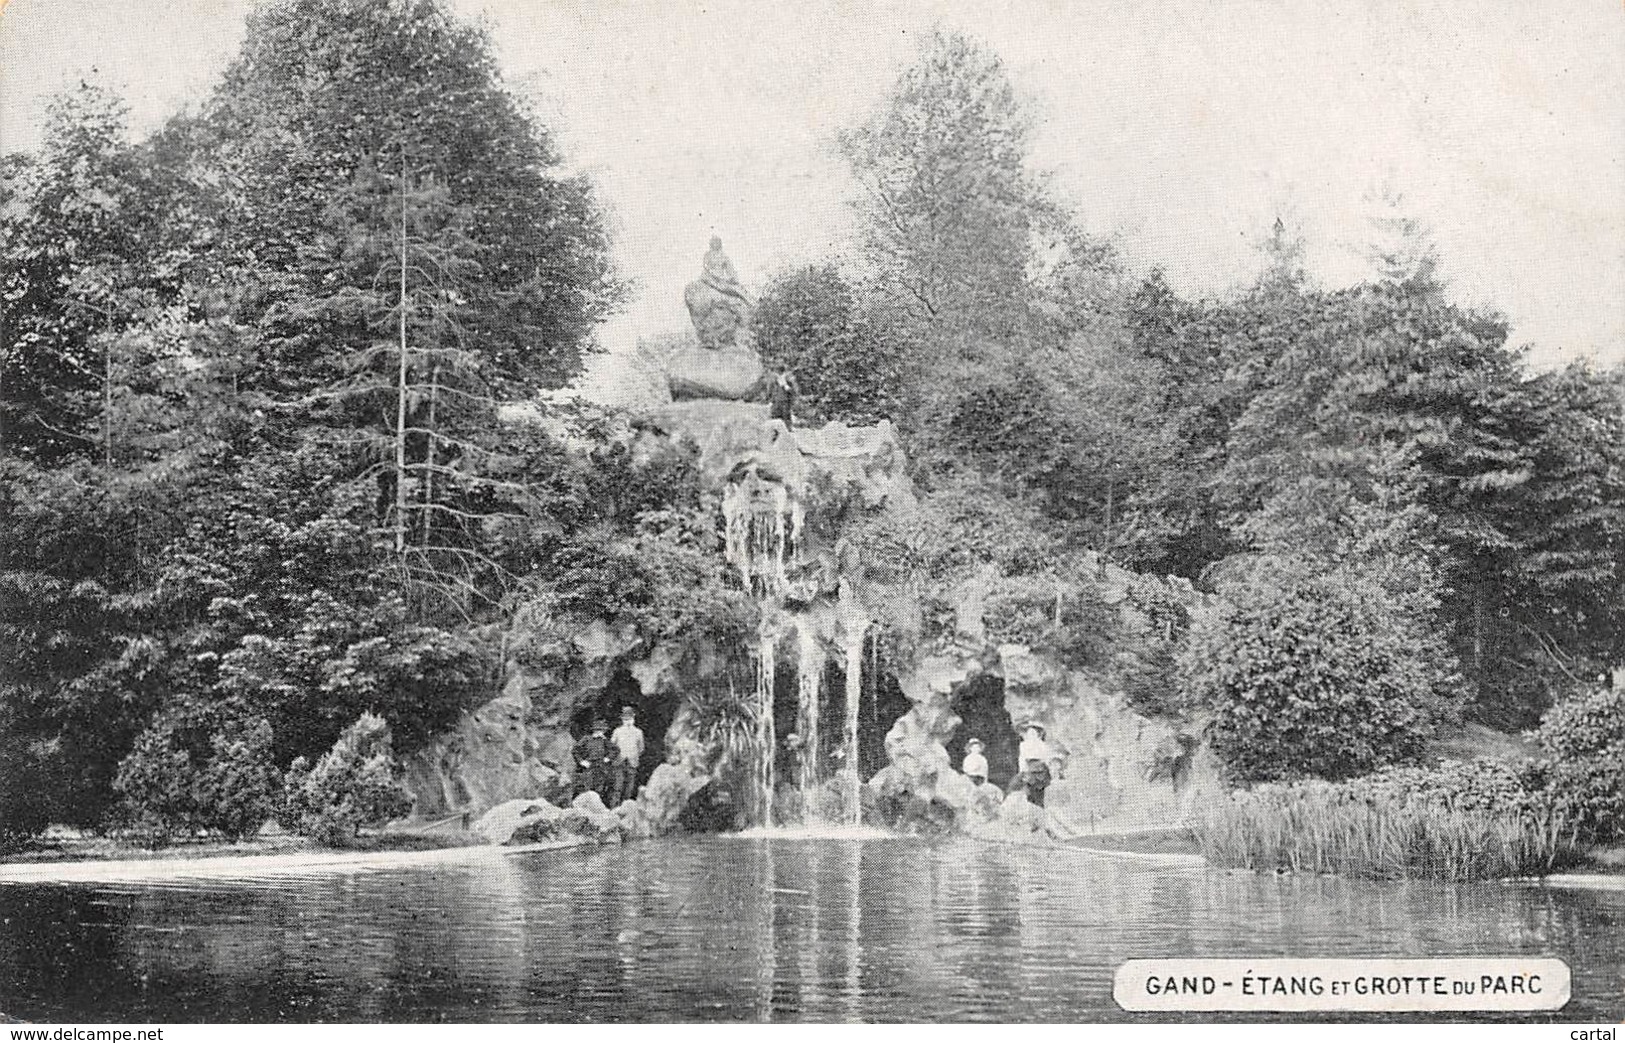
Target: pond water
[{"x": 737, "y": 929}]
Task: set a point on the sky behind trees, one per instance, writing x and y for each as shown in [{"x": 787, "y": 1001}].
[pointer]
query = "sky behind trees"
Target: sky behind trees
[{"x": 1184, "y": 128}]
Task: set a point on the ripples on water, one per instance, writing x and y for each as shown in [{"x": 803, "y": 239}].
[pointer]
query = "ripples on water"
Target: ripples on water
[{"x": 738, "y": 929}]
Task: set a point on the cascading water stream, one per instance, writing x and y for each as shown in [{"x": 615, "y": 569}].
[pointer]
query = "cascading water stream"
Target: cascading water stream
[
  {"x": 762, "y": 535},
  {"x": 766, "y": 740},
  {"x": 809, "y": 708},
  {"x": 854, "y": 625},
  {"x": 757, "y": 541},
  {"x": 763, "y": 538},
  {"x": 854, "y": 701}
]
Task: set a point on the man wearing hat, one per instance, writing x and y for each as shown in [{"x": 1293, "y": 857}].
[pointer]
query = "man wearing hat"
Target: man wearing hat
[
  {"x": 975, "y": 764},
  {"x": 1035, "y": 758},
  {"x": 592, "y": 760},
  {"x": 628, "y": 751}
]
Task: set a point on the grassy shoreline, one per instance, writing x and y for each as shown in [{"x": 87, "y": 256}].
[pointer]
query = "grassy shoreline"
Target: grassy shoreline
[{"x": 109, "y": 849}]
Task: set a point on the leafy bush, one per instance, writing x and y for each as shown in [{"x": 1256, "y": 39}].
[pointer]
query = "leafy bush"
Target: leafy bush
[
  {"x": 1314, "y": 675},
  {"x": 199, "y": 768},
  {"x": 1148, "y": 674},
  {"x": 1585, "y": 776},
  {"x": 811, "y": 321},
  {"x": 1481, "y": 784},
  {"x": 723, "y": 718},
  {"x": 961, "y": 525},
  {"x": 353, "y": 785},
  {"x": 1063, "y": 617},
  {"x": 663, "y": 579}
]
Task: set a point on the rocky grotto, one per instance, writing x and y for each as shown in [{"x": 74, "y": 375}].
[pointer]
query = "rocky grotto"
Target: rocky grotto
[{"x": 837, "y": 721}]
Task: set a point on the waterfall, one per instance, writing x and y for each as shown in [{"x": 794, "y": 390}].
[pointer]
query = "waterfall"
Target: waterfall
[
  {"x": 854, "y": 701},
  {"x": 763, "y": 542},
  {"x": 766, "y": 740},
  {"x": 854, "y": 626},
  {"x": 757, "y": 540},
  {"x": 809, "y": 707}
]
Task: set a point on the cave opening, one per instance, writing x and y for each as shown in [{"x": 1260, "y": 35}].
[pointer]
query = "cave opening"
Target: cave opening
[
  {"x": 654, "y": 715},
  {"x": 979, "y": 702}
]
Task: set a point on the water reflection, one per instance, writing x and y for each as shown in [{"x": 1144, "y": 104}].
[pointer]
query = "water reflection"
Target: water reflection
[{"x": 737, "y": 929}]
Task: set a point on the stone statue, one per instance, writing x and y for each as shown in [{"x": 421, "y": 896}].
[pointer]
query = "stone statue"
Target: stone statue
[
  {"x": 716, "y": 301},
  {"x": 723, "y": 364}
]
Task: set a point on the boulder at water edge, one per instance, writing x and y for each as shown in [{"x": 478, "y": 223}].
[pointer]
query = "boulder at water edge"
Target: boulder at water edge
[
  {"x": 667, "y": 793},
  {"x": 517, "y": 821},
  {"x": 1020, "y": 817},
  {"x": 633, "y": 822},
  {"x": 601, "y": 823}
]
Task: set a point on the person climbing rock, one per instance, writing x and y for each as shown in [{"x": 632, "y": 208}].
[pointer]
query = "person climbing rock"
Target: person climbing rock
[
  {"x": 593, "y": 760},
  {"x": 628, "y": 751},
  {"x": 1035, "y": 758},
  {"x": 974, "y": 765}
]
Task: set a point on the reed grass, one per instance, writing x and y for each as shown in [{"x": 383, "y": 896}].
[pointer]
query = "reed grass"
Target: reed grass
[{"x": 1362, "y": 831}]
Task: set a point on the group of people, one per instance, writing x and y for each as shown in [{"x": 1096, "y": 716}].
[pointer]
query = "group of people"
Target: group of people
[
  {"x": 1033, "y": 771},
  {"x": 608, "y": 764}
]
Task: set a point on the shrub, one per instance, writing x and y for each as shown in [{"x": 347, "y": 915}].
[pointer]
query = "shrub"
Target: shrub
[
  {"x": 723, "y": 718},
  {"x": 1481, "y": 784},
  {"x": 811, "y": 320},
  {"x": 1063, "y": 617},
  {"x": 1147, "y": 671},
  {"x": 353, "y": 785},
  {"x": 313, "y": 675},
  {"x": 199, "y": 768},
  {"x": 1315, "y": 675},
  {"x": 1585, "y": 776},
  {"x": 25, "y": 802}
]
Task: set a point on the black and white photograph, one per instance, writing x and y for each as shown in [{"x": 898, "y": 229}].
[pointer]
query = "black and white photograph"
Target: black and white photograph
[{"x": 917, "y": 512}]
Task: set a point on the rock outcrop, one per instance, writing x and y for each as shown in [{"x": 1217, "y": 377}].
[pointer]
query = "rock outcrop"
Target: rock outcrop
[
  {"x": 503, "y": 751},
  {"x": 1115, "y": 766},
  {"x": 791, "y": 499}
]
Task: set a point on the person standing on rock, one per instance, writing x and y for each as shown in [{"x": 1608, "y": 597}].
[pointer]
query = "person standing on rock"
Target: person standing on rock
[
  {"x": 781, "y": 398},
  {"x": 593, "y": 760},
  {"x": 1035, "y": 758},
  {"x": 628, "y": 742},
  {"x": 975, "y": 764}
]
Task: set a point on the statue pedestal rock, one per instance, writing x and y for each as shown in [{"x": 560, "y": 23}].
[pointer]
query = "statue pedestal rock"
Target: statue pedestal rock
[{"x": 723, "y": 364}]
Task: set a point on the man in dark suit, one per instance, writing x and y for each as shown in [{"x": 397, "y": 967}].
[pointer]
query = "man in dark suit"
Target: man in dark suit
[{"x": 593, "y": 760}]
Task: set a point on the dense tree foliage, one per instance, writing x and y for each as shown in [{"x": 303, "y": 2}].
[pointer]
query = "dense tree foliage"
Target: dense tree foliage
[
  {"x": 1378, "y": 430},
  {"x": 355, "y": 100},
  {"x": 255, "y": 486},
  {"x": 260, "y": 474}
]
